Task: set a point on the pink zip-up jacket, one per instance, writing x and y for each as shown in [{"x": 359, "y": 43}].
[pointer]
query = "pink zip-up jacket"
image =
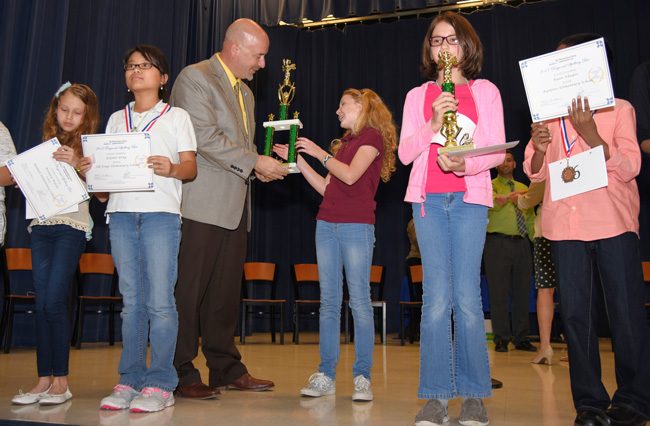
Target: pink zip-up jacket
[{"x": 416, "y": 135}]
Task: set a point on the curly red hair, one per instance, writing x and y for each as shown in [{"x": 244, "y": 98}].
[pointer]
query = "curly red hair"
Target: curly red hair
[{"x": 375, "y": 114}]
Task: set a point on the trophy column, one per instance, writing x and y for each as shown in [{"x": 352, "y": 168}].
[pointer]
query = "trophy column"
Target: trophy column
[
  {"x": 286, "y": 91},
  {"x": 450, "y": 127}
]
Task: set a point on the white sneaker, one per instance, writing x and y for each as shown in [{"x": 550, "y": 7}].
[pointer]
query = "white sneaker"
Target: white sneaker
[
  {"x": 51, "y": 399},
  {"x": 151, "y": 400},
  {"x": 319, "y": 385},
  {"x": 362, "y": 389},
  {"x": 120, "y": 399},
  {"x": 28, "y": 398}
]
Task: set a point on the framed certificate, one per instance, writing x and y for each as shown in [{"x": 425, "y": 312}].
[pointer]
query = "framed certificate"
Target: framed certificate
[
  {"x": 49, "y": 186},
  {"x": 554, "y": 79},
  {"x": 119, "y": 162}
]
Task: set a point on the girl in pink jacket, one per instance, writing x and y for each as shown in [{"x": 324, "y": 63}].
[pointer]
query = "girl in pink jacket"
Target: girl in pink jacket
[{"x": 450, "y": 198}]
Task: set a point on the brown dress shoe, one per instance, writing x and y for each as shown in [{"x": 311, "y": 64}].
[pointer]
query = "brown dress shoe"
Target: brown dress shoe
[
  {"x": 197, "y": 391},
  {"x": 250, "y": 383}
]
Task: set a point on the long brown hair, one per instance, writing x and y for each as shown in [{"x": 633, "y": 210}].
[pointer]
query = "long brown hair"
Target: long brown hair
[
  {"x": 375, "y": 114},
  {"x": 471, "y": 44},
  {"x": 88, "y": 125}
]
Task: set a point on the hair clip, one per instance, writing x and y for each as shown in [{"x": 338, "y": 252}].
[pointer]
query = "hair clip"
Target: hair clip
[{"x": 63, "y": 87}]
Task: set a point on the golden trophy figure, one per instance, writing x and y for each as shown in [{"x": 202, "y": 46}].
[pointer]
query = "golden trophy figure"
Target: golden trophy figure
[
  {"x": 450, "y": 129},
  {"x": 286, "y": 91}
]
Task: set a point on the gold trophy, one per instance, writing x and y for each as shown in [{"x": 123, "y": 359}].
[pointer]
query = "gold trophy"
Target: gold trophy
[
  {"x": 286, "y": 91},
  {"x": 450, "y": 127}
]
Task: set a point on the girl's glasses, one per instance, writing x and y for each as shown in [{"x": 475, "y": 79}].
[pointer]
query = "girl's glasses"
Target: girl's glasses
[
  {"x": 436, "y": 41},
  {"x": 142, "y": 66}
]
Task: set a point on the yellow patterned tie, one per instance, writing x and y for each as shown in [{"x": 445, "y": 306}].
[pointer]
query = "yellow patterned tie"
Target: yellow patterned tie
[
  {"x": 240, "y": 101},
  {"x": 521, "y": 220}
]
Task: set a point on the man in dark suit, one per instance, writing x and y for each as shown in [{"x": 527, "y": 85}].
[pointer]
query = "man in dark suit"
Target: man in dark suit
[{"x": 216, "y": 210}]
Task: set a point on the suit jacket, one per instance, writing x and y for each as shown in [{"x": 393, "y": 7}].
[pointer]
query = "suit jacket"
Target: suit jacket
[{"x": 226, "y": 155}]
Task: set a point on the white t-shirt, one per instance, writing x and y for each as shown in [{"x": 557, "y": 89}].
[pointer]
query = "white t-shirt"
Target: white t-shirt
[
  {"x": 172, "y": 133},
  {"x": 7, "y": 151}
]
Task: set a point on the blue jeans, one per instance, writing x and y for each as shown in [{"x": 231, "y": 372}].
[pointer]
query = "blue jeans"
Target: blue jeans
[
  {"x": 451, "y": 236},
  {"x": 55, "y": 255},
  {"x": 145, "y": 250},
  {"x": 349, "y": 246},
  {"x": 617, "y": 262}
]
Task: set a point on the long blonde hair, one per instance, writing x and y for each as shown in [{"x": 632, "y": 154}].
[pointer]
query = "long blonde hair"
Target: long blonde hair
[
  {"x": 88, "y": 125},
  {"x": 375, "y": 114}
]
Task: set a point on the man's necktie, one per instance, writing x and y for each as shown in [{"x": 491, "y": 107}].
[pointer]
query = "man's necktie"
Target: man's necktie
[{"x": 521, "y": 220}]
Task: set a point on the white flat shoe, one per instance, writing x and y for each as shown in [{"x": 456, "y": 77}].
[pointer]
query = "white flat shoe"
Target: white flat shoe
[
  {"x": 51, "y": 399},
  {"x": 28, "y": 398}
]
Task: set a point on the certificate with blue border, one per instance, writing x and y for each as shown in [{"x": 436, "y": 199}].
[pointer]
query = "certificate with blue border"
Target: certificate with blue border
[
  {"x": 119, "y": 162},
  {"x": 554, "y": 79},
  {"x": 50, "y": 186}
]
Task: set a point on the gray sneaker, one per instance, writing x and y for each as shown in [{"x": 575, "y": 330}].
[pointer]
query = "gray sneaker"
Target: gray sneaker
[
  {"x": 120, "y": 399},
  {"x": 319, "y": 385},
  {"x": 434, "y": 413},
  {"x": 362, "y": 389},
  {"x": 473, "y": 413},
  {"x": 151, "y": 400}
]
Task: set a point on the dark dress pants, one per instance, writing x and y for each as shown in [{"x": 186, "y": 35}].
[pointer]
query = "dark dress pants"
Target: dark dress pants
[
  {"x": 617, "y": 261},
  {"x": 208, "y": 296},
  {"x": 508, "y": 269}
]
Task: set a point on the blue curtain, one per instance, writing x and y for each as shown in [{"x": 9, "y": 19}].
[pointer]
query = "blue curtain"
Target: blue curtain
[{"x": 43, "y": 43}]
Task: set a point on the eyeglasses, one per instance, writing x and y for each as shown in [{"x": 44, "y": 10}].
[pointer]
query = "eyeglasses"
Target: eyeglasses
[
  {"x": 142, "y": 66},
  {"x": 436, "y": 41}
]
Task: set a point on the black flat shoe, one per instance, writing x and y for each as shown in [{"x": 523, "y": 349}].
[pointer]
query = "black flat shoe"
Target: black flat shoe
[
  {"x": 501, "y": 347},
  {"x": 591, "y": 417},
  {"x": 622, "y": 414},
  {"x": 496, "y": 384},
  {"x": 525, "y": 346}
]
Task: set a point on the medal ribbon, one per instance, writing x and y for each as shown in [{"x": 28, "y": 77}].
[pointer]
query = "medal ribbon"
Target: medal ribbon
[
  {"x": 129, "y": 120},
  {"x": 568, "y": 146}
]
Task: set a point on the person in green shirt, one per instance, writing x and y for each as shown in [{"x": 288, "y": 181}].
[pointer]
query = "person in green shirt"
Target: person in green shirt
[{"x": 508, "y": 260}]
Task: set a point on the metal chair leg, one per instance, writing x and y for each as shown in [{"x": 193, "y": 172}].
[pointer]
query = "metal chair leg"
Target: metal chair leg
[
  {"x": 401, "y": 325},
  {"x": 282, "y": 324},
  {"x": 242, "y": 328}
]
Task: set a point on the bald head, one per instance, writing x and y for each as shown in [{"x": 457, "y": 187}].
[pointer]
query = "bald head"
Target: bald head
[{"x": 244, "y": 47}]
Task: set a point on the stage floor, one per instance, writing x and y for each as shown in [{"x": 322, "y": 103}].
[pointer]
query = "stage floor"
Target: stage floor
[{"x": 531, "y": 395}]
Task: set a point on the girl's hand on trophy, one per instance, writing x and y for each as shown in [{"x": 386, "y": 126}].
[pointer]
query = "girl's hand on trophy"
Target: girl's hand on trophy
[
  {"x": 443, "y": 103},
  {"x": 451, "y": 164},
  {"x": 541, "y": 136},
  {"x": 309, "y": 147},
  {"x": 282, "y": 150}
]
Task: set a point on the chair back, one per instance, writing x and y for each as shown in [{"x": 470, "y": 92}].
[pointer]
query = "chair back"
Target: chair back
[
  {"x": 14, "y": 259},
  {"x": 415, "y": 276},
  {"x": 257, "y": 274},
  {"x": 646, "y": 271},
  {"x": 377, "y": 282},
  {"x": 96, "y": 263},
  {"x": 18, "y": 259},
  {"x": 100, "y": 264},
  {"x": 305, "y": 275}
]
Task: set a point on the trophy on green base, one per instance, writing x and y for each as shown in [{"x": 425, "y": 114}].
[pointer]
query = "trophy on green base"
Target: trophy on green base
[
  {"x": 450, "y": 128},
  {"x": 286, "y": 91}
]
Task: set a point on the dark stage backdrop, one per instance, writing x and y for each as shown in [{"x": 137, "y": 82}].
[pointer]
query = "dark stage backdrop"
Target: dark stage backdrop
[{"x": 44, "y": 43}]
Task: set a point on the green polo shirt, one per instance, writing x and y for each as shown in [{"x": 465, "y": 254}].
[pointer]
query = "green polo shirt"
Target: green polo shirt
[{"x": 503, "y": 219}]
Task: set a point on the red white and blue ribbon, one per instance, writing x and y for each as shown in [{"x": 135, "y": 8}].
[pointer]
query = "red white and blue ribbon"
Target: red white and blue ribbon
[
  {"x": 568, "y": 146},
  {"x": 129, "y": 120}
]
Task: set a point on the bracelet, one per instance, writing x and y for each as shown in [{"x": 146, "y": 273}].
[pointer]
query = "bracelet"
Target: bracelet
[{"x": 326, "y": 159}]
